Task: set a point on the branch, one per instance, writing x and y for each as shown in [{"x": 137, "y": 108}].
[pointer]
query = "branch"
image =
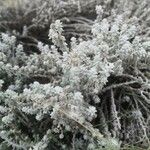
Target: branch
[{"x": 116, "y": 86}]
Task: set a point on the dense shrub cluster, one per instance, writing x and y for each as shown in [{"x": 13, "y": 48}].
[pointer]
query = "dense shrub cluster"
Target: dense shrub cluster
[{"x": 75, "y": 90}]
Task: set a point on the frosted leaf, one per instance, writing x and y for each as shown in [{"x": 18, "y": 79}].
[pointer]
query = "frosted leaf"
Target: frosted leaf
[
  {"x": 92, "y": 111},
  {"x": 126, "y": 51},
  {"x": 1, "y": 83},
  {"x": 96, "y": 98},
  {"x": 61, "y": 136},
  {"x": 78, "y": 97},
  {"x": 96, "y": 29},
  {"x": 55, "y": 33},
  {"x": 8, "y": 40},
  {"x": 3, "y": 109},
  {"x": 58, "y": 90},
  {"x": 29, "y": 110},
  {"x": 8, "y": 119},
  {"x": 104, "y": 26},
  {"x": 99, "y": 9},
  {"x": 39, "y": 116}
]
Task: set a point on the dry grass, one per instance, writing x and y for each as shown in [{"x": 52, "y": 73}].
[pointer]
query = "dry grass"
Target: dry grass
[{"x": 12, "y": 3}]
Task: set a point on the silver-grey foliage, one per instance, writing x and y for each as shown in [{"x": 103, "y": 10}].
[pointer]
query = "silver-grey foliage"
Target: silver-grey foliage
[{"x": 89, "y": 92}]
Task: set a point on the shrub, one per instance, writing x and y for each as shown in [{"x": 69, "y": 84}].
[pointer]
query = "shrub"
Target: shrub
[{"x": 94, "y": 91}]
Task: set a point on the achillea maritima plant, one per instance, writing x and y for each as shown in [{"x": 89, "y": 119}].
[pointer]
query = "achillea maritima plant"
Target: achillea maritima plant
[{"x": 94, "y": 91}]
